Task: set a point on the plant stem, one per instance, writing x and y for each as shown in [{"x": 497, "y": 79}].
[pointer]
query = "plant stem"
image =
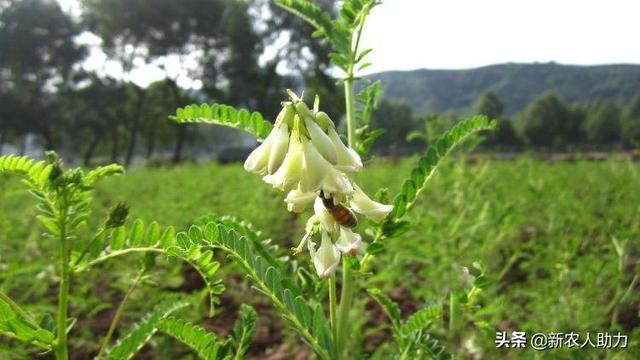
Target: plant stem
[
  {"x": 350, "y": 108},
  {"x": 346, "y": 295},
  {"x": 332, "y": 313},
  {"x": 62, "y": 353},
  {"x": 118, "y": 314}
]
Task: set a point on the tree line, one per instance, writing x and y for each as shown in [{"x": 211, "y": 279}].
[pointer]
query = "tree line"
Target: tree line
[
  {"x": 547, "y": 123},
  {"x": 47, "y": 92}
]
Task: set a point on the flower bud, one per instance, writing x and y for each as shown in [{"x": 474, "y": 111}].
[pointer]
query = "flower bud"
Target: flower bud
[
  {"x": 348, "y": 242},
  {"x": 279, "y": 147},
  {"x": 348, "y": 160},
  {"x": 324, "y": 217},
  {"x": 362, "y": 204},
  {"x": 321, "y": 140},
  {"x": 315, "y": 167},
  {"x": 297, "y": 201},
  {"x": 291, "y": 169},
  {"x": 117, "y": 215},
  {"x": 257, "y": 161},
  {"x": 286, "y": 115},
  {"x": 327, "y": 258},
  {"x": 324, "y": 121}
]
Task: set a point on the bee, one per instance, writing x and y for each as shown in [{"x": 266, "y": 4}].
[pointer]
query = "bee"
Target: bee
[{"x": 340, "y": 213}]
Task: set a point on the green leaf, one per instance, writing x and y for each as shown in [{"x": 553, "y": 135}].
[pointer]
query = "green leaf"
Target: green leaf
[
  {"x": 101, "y": 172},
  {"x": 224, "y": 115},
  {"x": 278, "y": 285},
  {"x": 202, "y": 341},
  {"x": 16, "y": 323},
  {"x": 422, "y": 319},
  {"x": 428, "y": 163},
  {"x": 243, "y": 330},
  {"x": 389, "y": 306},
  {"x": 140, "y": 333}
]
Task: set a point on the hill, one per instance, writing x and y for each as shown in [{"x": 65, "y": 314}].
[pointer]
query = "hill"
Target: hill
[{"x": 515, "y": 84}]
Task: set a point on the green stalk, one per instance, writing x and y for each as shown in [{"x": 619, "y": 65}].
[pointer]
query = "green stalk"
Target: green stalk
[
  {"x": 332, "y": 313},
  {"x": 346, "y": 297},
  {"x": 118, "y": 314},
  {"x": 61, "y": 351}
]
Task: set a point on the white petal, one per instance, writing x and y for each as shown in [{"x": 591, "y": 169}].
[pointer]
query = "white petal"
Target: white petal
[
  {"x": 327, "y": 222},
  {"x": 297, "y": 201},
  {"x": 315, "y": 167},
  {"x": 279, "y": 147},
  {"x": 348, "y": 242},
  {"x": 336, "y": 183},
  {"x": 362, "y": 204},
  {"x": 327, "y": 258},
  {"x": 291, "y": 169},
  {"x": 321, "y": 141},
  {"x": 257, "y": 161},
  {"x": 348, "y": 160}
]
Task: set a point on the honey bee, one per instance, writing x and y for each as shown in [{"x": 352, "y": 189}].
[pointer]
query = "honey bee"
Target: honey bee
[{"x": 340, "y": 213}]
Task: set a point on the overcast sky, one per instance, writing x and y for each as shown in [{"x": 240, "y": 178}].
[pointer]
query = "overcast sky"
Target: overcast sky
[{"x": 455, "y": 34}]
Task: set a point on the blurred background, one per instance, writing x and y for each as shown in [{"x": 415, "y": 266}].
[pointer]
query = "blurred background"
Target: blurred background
[
  {"x": 96, "y": 79},
  {"x": 548, "y": 203}
]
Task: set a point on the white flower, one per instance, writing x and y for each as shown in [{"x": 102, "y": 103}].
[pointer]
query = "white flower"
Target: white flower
[
  {"x": 327, "y": 258},
  {"x": 348, "y": 242},
  {"x": 362, "y": 204},
  {"x": 279, "y": 147},
  {"x": 321, "y": 140},
  {"x": 297, "y": 201},
  {"x": 348, "y": 160},
  {"x": 327, "y": 222},
  {"x": 291, "y": 169},
  {"x": 257, "y": 161},
  {"x": 336, "y": 183},
  {"x": 315, "y": 167}
]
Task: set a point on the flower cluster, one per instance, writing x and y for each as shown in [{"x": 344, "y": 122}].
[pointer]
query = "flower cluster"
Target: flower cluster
[{"x": 305, "y": 156}]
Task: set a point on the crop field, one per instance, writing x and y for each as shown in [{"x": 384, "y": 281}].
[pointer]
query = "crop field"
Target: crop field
[{"x": 559, "y": 243}]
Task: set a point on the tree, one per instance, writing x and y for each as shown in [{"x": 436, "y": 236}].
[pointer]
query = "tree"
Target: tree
[
  {"x": 631, "y": 123},
  {"x": 488, "y": 104},
  {"x": 37, "y": 58},
  {"x": 602, "y": 125},
  {"x": 218, "y": 34},
  {"x": 542, "y": 120},
  {"x": 398, "y": 121}
]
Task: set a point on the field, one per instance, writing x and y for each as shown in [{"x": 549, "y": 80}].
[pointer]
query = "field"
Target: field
[{"x": 560, "y": 242}]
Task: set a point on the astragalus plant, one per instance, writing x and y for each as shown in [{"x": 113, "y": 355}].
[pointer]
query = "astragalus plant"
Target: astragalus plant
[{"x": 303, "y": 154}]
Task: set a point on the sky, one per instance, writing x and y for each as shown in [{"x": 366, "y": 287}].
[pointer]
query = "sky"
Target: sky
[{"x": 460, "y": 34}]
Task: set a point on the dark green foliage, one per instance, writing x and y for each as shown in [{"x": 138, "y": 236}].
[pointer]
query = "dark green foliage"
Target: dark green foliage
[
  {"x": 630, "y": 126},
  {"x": 202, "y": 341},
  {"x": 602, "y": 124},
  {"x": 141, "y": 332},
  {"x": 225, "y": 115},
  {"x": 489, "y": 105},
  {"x": 305, "y": 317},
  {"x": 397, "y": 121},
  {"x": 516, "y": 85},
  {"x": 542, "y": 121}
]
